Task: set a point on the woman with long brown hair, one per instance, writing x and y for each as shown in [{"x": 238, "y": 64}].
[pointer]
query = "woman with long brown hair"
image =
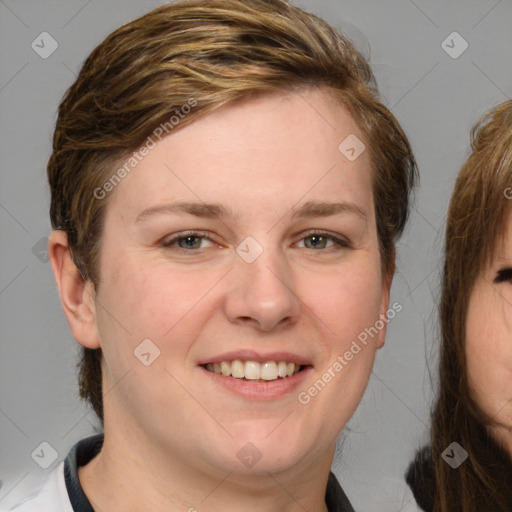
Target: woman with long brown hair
[{"x": 468, "y": 465}]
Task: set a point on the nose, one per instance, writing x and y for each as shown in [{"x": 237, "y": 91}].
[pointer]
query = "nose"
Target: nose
[{"x": 262, "y": 293}]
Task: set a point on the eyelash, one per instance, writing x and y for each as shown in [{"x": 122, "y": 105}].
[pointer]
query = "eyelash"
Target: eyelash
[
  {"x": 503, "y": 275},
  {"x": 167, "y": 243},
  {"x": 340, "y": 242}
]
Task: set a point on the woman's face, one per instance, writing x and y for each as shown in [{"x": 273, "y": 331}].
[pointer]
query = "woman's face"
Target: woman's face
[
  {"x": 489, "y": 339},
  {"x": 244, "y": 243}
]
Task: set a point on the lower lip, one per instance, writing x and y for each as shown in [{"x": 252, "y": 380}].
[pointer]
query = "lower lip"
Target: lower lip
[{"x": 257, "y": 389}]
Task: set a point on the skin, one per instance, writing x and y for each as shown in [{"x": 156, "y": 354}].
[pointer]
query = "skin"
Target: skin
[
  {"x": 488, "y": 335},
  {"x": 171, "y": 435}
]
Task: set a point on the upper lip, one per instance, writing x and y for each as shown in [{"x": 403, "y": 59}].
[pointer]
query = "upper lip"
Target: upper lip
[{"x": 252, "y": 355}]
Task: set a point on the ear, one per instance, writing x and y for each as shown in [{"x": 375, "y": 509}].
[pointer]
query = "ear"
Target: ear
[
  {"x": 387, "y": 280},
  {"x": 77, "y": 295}
]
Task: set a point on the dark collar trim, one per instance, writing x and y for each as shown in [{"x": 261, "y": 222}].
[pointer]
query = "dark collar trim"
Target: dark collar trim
[
  {"x": 81, "y": 453},
  {"x": 86, "y": 449}
]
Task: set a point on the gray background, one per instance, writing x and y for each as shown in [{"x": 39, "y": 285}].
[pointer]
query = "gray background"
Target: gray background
[{"x": 435, "y": 97}]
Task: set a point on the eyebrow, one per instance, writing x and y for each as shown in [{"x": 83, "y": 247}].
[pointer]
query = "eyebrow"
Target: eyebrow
[
  {"x": 323, "y": 209},
  {"x": 213, "y": 210},
  {"x": 204, "y": 210}
]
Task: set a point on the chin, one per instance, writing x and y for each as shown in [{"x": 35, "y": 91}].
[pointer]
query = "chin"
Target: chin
[{"x": 266, "y": 454}]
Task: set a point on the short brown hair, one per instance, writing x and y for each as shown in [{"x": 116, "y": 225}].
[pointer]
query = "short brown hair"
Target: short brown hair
[{"x": 212, "y": 52}]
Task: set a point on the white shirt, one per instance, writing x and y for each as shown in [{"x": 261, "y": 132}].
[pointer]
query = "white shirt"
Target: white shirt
[{"x": 51, "y": 496}]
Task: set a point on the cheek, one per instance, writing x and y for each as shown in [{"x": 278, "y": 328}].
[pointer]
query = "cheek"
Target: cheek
[
  {"x": 479, "y": 365},
  {"x": 152, "y": 300},
  {"x": 347, "y": 300},
  {"x": 350, "y": 329},
  {"x": 489, "y": 350}
]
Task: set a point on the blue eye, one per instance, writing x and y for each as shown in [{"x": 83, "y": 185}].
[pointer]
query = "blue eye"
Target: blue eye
[
  {"x": 322, "y": 241},
  {"x": 194, "y": 241},
  {"x": 188, "y": 241}
]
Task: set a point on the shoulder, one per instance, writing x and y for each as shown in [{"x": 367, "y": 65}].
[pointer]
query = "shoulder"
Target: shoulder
[
  {"x": 420, "y": 477},
  {"x": 51, "y": 496}
]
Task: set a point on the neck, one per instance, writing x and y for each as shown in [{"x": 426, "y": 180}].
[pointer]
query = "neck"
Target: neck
[{"x": 132, "y": 473}]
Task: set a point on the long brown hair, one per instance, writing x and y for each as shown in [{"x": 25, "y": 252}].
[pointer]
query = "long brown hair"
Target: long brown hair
[
  {"x": 477, "y": 218},
  {"x": 185, "y": 60}
]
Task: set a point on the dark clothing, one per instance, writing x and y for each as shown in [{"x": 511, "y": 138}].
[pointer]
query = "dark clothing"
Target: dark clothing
[{"x": 421, "y": 479}]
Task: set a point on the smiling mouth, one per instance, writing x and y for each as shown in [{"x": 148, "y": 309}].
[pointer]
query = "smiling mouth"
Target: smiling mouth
[{"x": 252, "y": 370}]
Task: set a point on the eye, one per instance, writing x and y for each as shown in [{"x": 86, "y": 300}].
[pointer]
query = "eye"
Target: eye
[
  {"x": 188, "y": 241},
  {"x": 505, "y": 274},
  {"x": 321, "y": 240}
]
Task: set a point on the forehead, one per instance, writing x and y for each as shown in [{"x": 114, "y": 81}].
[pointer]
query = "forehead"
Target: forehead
[
  {"x": 502, "y": 245},
  {"x": 264, "y": 154}
]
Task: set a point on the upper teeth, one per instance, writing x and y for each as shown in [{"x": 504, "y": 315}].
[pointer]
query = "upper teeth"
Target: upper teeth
[{"x": 252, "y": 370}]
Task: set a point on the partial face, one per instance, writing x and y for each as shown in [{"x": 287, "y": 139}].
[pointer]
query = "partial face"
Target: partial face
[
  {"x": 489, "y": 339},
  {"x": 244, "y": 247}
]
